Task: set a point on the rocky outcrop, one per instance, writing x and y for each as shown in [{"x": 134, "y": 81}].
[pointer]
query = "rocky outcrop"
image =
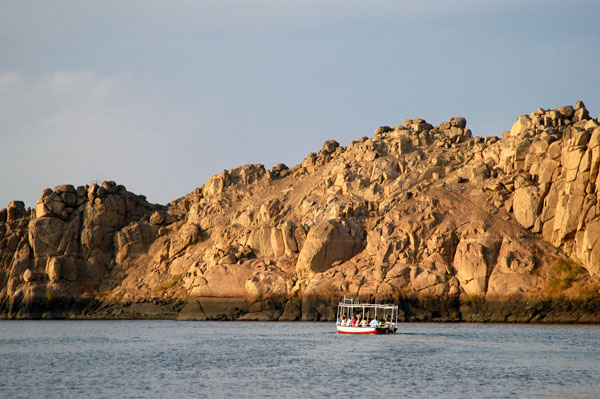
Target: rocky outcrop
[
  {"x": 450, "y": 226},
  {"x": 64, "y": 249}
]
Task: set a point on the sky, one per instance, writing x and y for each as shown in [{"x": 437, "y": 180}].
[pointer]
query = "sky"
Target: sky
[{"x": 161, "y": 95}]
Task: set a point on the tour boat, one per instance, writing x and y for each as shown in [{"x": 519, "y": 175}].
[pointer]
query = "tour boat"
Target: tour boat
[{"x": 349, "y": 307}]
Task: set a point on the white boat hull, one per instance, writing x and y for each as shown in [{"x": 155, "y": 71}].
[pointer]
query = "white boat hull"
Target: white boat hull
[{"x": 364, "y": 330}]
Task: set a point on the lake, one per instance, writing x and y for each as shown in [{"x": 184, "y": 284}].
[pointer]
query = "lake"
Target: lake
[{"x": 168, "y": 359}]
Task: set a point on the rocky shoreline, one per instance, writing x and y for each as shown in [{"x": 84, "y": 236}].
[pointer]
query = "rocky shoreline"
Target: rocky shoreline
[
  {"x": 472, "y": 310},
  {"x": 450, "y": 226}
]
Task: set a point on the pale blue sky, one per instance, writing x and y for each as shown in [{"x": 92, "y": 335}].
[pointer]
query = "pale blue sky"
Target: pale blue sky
[{"x": 160, "y": 95}]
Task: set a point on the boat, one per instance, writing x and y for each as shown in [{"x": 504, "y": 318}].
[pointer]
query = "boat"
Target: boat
[{"x": 385, "y": 314}]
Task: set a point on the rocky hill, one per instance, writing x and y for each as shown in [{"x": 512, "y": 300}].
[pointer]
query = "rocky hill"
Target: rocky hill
[{"x": 450, "y": 226}]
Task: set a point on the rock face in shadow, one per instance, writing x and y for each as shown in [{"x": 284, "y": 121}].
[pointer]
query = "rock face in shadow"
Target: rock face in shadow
[{"x": 450, "y": 226}]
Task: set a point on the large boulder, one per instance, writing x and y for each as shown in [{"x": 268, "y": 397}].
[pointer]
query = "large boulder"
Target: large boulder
[
  {"x": 474, "y": 260},
  {"x": 187, "y": 235},
  {"x": 328, "y": 242},
  {"x": 588, "y": 247},
  {"x": 526, "y": 204},
  {"x": 45, "y": 235},
  {"x": 62, "y": 267},
  {"x": 266, "y": 241},
  {"x": 50, "y": 205},
  {"x": 15, "y": 210}
]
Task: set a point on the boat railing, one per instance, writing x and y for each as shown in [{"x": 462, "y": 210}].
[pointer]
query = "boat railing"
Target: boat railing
[{"x": 349, "y": 305}]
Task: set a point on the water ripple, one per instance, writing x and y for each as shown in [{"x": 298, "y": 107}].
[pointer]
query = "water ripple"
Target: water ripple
[{"x": 156, "y": 359}]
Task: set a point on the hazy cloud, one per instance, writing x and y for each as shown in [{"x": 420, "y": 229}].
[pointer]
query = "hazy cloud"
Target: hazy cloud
[
  {"x": 78, "y": 126},
  {"x": 159, "y": 95}
]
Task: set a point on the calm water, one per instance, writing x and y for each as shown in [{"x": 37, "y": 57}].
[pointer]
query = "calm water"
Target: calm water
[{"x": 158, "y": 359}]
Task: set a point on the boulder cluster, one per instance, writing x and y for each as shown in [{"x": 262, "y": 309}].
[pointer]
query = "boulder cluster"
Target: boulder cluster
[
  {"x": 67, "y": 246},
  {"x": 415, "y": 212}
]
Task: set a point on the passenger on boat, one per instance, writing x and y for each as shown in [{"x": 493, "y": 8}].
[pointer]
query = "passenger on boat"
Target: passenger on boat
[
  {"x": 342, "y": 321},
  {"x": 364, "y": 323},
  {"x": 358, "y": 319},
  {"x": 374, "y": 323},
  {"x": 353, "y": 322}
]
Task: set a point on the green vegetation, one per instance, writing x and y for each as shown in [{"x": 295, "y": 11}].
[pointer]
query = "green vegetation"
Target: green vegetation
[
  {"x": 118, "y": 297},
  {"x": 170, "y": 283},
  {"x": 563, "y": 274},
  {"x": 474, "y": 300}
]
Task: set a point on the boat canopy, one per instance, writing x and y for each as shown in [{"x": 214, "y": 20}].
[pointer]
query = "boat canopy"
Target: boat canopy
[{"x": 348, "y": 307}]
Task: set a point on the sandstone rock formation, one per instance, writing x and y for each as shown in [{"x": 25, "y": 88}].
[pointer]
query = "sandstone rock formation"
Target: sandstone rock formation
[{"x": 452, "y": 227}]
